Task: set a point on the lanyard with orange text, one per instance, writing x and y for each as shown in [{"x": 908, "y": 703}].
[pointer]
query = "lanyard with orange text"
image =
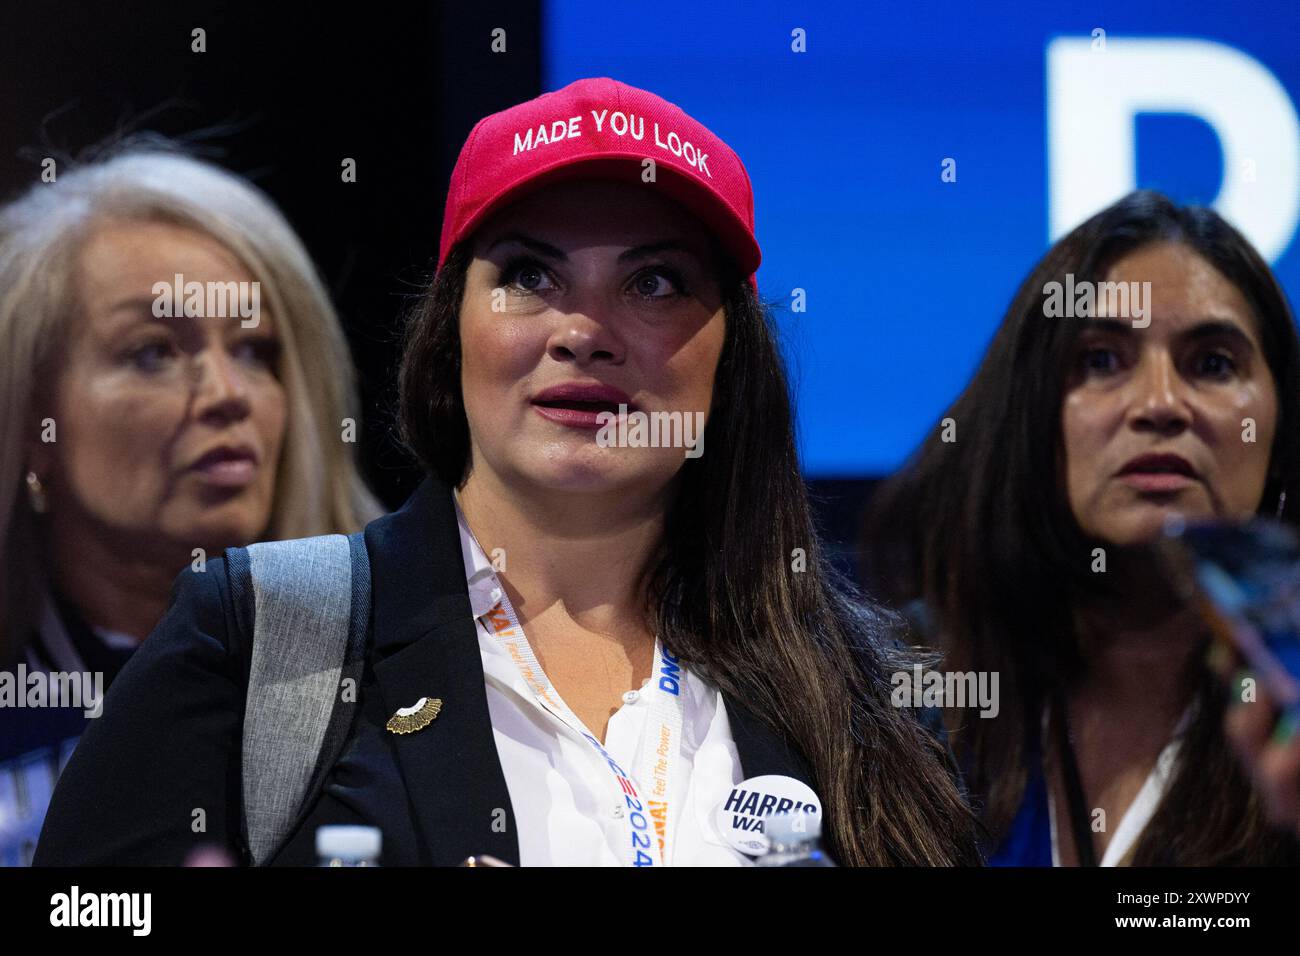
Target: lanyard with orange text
[{"x": 660, "y": 743}]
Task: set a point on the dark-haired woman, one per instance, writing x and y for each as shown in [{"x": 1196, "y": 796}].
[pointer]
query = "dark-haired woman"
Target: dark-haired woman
[
  {"x": 596, "y": 265},
  {"x": 1024, "y": 541}
]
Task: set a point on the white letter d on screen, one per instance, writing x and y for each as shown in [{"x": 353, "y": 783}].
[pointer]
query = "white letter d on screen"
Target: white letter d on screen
[{"x": 1093, "y": 97}]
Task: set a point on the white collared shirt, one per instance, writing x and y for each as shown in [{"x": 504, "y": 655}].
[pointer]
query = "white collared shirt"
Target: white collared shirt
[
  {"x": 53, "y": 650},
  {"x": 566, "y": 808}
]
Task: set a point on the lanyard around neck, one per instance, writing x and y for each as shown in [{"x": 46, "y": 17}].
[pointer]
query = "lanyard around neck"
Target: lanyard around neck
[
  {"x": 1077, "y": 805},
  {"x": 645, "y": 812}
]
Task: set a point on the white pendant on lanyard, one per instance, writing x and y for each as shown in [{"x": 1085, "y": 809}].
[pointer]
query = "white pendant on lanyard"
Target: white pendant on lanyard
[{"x": 646, "y": 814}]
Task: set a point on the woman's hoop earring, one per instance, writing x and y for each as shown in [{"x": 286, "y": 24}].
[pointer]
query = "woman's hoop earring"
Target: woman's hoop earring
[{"x": 36, "y": 495}]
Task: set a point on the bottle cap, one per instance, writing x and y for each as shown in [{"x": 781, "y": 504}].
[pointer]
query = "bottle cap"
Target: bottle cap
[
  {"x": 789, "y": 827},
  {"x": 348, "y": 842}
]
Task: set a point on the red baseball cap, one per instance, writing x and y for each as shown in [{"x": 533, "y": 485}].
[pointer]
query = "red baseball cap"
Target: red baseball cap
[{"x": 602, "y": 128}]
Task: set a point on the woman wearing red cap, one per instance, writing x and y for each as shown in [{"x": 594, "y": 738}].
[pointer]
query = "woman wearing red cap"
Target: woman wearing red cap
[{"x": 603, "y": 631}]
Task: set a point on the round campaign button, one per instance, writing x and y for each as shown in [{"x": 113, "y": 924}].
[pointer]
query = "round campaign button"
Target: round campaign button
[{"x": 740, "y": 817}]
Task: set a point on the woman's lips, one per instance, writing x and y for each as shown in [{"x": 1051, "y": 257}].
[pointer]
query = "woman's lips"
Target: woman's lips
[
  {"x": 226, "y": 469},
  {"x": 576, "y": 414},
  {"x": 1156, "y": 480},
  {"x": 1158, "y": 472},
  {"x": 581, "y": 404}
]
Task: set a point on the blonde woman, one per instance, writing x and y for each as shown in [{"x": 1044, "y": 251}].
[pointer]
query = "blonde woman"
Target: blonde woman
[{"x": 173, "y": 381}]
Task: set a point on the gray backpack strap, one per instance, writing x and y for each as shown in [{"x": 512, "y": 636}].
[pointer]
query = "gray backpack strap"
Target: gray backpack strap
[{"x": 303, "y": 609}]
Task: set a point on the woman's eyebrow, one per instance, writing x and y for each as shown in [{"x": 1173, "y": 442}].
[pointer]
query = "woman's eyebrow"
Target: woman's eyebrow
[
  {"x": 1216, "y": 328},
  {"x": 1107, "y": 325},
  {"x": 128, "y": 312},
  {"x": 650, "y": 248},
  {"x": 1206, "y": 329},
  {"x": 636, "y": 252},
  {"x": 536, "y": 245},
  {"x": 133, "y": 304}
]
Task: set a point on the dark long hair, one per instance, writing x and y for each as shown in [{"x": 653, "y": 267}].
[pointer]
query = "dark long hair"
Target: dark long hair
[
  {"x": 804, "y": 652},
  {"x": 980, "y": 530}
]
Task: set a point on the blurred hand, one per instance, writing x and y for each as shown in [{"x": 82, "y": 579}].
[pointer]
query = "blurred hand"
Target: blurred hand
[
  {"x": 209, "y": 855},
  {"x": 1270, "y": 749}
]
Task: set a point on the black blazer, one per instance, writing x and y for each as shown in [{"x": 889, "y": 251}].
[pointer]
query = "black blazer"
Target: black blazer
[{"x": 159, "y": 773}]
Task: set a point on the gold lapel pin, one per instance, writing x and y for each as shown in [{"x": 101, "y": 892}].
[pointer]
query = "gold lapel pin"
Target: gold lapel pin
[{"x": 408, "y": 720}]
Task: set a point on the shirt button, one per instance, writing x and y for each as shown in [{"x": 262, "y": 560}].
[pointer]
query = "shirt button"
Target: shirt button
[
  {"x": 631, "y": 697},
  {"x": 618, "y": 811}
]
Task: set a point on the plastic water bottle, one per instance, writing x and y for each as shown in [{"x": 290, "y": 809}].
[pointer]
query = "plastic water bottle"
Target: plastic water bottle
[
  {"x": 794, "y": 839},
  {"x": 348, "y": 845}
]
